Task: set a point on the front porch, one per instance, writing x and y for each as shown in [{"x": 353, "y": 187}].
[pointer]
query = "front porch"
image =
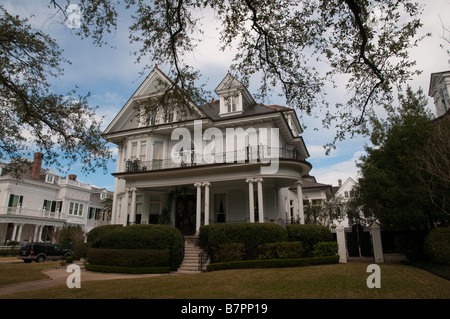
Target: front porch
[{"x": 187, "y": 201}]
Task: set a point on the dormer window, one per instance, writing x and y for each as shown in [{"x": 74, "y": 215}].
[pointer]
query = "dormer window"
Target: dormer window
[
  {"x": 232, "y": 104},
  {"x": 49, "y": 179}
]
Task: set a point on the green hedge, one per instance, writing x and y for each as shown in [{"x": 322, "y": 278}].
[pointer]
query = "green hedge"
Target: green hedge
[
  {"x": 437, "y": 245},
  {"x": 99, "y": 231},
  {"x": 152, "y": 237},
  {"x": 129, "y": 257},
  {"x": 127, "y": 270},
  {"x": 309, "y": 235},
  {"x": 230, "y": 252},
  {"x": 283, "y": 250},
  {"x": 325, "y": 249},
  {"x": 274, "y": 263},
  {"x": 9, "y": 252},
  {"x": 250, "y": 234}
]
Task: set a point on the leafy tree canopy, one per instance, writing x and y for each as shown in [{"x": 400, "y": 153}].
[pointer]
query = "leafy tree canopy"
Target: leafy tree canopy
[
  {"x": 390, "y": 188},
  {"x": 298, "y": 46}
]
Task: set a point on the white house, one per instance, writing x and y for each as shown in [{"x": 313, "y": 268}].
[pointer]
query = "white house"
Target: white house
[
  {"x": 439, "y": 90},
  {"x": 39, "y": 202},
  {"x": 230, "y": 160}
]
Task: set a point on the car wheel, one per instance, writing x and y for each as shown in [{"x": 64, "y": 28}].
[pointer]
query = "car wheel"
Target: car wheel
[{"x": 40, "y": 259}]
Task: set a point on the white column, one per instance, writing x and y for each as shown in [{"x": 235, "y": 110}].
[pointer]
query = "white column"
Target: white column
[
  {"x": 377, "y": 244},
  {"x": 125, "y": 208},
  {"x": 133, "y": 207},
  {"x": 13, "y": 236},
  {"x": 206, "y": 184},
  {"x": 36, "y": 230},
  {"x": 301, "y": 213},
  {"x": 260, "y": 201},
  {"x": 198, "y": 207},
  {"x": 251, "y": 199},
  {"x": 39, "y": 239},
  {"x": 19, "y": 234},
  {"x": 342, "y": 249}
]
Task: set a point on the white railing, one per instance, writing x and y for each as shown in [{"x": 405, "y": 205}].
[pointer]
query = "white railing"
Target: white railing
[{"x": 24, "y": 211}]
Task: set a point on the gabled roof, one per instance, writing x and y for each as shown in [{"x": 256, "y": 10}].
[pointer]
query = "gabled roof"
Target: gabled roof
[
  {"x": 231, "y": 84},
  {"x": 153, "y": 85}
]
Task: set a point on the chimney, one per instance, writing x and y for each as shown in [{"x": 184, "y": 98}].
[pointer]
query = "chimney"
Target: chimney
[
  {"x": 72, "y": 177},
  {"x": 340, "y": 183},
  {"x": 37, "y": 164}
]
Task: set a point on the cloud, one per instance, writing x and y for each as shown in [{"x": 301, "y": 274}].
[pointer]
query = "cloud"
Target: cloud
[{"x": 330, "y": 174}]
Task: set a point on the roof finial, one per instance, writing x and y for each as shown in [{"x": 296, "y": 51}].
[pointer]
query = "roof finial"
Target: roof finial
[{"x": 156, "y": 65}]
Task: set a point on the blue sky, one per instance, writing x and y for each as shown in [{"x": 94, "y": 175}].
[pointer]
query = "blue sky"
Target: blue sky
[{"x": 111, "y": 76}]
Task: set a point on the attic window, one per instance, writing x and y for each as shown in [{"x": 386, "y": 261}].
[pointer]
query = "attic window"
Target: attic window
[
  {"x": 49, "y": 179},
  {"x": 232, "y": 104}
]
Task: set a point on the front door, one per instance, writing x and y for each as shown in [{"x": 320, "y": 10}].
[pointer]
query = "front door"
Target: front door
[{"x": 185, "y": 213}]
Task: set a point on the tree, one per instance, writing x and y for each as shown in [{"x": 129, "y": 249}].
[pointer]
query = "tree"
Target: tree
[
  {"x": 288, "y": 43},
  {"x": 32, "y": 116},
  {"x": 389, "y": 185}
]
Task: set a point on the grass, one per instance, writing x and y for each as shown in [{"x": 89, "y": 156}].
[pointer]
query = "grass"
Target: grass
[
  {"x": 21, "y": 272},
  {"x": 313, "y": 282}
]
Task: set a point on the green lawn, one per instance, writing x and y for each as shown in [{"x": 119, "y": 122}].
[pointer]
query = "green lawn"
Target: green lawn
[
  {"x": 317, "y": 282},
  {"x": 21, "y": 272}
]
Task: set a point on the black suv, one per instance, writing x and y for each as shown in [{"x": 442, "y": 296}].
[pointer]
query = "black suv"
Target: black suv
[{"x": 39, "y": 252}]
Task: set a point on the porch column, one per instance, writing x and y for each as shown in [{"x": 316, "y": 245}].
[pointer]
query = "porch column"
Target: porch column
[
  {"x": 301, "y": 213},
  {"x": 198, "y": 207},
  {"x": 36, "y": 229},
  {"x": 19, "y": 234},
  {"x": 41, "y": 228},
  {"x": 260, "y": 200},
  {"x": 206, "y": 184},
  {"x": 13, "y": 236},
  {"x": 124, "y": 208},
  {"x": 251, "y": 199},
  {"x": 133, "y": 207}
]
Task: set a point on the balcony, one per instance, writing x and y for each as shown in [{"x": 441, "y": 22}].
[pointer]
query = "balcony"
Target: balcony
[
  {"x": 27, "y": 212},
  {"x": 187, "y": 159}
]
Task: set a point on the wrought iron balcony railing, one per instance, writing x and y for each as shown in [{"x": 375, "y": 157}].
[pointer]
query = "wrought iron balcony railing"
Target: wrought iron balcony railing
[{"x": 191, "y": 158}]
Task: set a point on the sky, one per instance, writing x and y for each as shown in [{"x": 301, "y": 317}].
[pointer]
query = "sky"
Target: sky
[{"x": 111, "y": 75}]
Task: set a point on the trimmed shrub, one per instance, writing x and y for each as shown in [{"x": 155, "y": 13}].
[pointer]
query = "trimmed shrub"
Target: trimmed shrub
[
  {"x": 283, "y": 250},
  {"x": 411, "y": 244},
  {"x": 309, "y": 235},
  {"x": 80, "y": 250},
  {"x": 128, "y": 270},
  {"x": 99, "y": 231},
  {"x": 274, "y": 263},
  {"x": 437, "y": 245},
  {"x": 250, "y": 234},
  {"x": 134, "y": 258},
  {"x": 230, "y": 252},
  {"x": 322, "y": 249}
]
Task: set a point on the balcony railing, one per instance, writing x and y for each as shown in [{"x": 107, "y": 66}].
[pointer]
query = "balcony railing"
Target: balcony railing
[
  {"x": 27, "y": 212},
  {"x": 191, "y": 158}
]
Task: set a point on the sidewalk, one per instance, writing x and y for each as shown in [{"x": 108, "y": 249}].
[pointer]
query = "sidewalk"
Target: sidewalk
[{"x": 59, "y": 277}]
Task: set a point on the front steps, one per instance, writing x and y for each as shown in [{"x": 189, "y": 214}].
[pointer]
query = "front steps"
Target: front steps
[{"x": 190, "y": 264}]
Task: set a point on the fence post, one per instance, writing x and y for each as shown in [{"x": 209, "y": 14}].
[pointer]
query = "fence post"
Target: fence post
[
  {"x": 377, "y": 244},
  {"x": 342, "y": 249}
]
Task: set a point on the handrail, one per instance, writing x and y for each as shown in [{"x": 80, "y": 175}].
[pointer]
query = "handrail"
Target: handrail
[{"x": 191, "y": 158}]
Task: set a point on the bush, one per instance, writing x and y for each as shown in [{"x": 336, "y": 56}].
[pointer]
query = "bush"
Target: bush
[
  {"x": 134, "y": 258},
  {"x": 309, "y": 235},
  {"x": 437, "y": 245},
  {"x": 230, "y": 252},
  {"x": 322, "y": 249},
  {"x": 274, "y": 263},
  {"x": 411, "y": 244},
  {"x": 283, "y": 250},
  {"x": 128, "y": 270},
  {"x": 99, "y": 231},
  {"x": 80, "y": 250},
  {"x": 250, "y": 234}
]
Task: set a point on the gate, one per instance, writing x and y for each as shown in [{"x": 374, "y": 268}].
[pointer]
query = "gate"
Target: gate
[{"x": 359, "y": 243}]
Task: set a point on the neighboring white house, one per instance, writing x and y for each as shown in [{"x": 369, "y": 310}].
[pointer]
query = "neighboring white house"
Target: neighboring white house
[
  {"x": 34, "y": 206},
  {"x": 345, "y": 192},
  {"x": 230, "y": 160},
  {"x": 440, "y": 91}
]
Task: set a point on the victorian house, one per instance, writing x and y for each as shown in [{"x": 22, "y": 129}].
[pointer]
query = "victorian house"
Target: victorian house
[
  {"x": 187, "y": 165},
  {"x": 38, "y": 202}
]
